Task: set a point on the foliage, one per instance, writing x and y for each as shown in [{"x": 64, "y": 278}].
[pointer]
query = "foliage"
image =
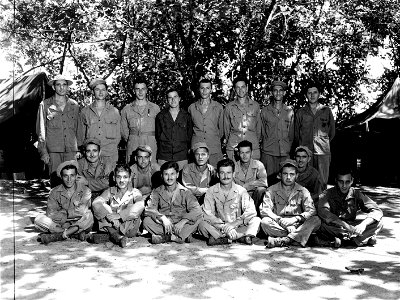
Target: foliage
[{"x": 177, "y": 42}]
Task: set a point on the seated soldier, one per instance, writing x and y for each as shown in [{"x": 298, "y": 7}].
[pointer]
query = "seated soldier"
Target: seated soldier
[
  {"x": 144, "y": 171},
  {"x": 199, "y": 175},
  {"x": 118, "y": 209},
  {"x": 94, "y": 170},
  {"x": 173, "y": 212},
  {"x": 340, "y": 207},
  {"x": 68, "y": 208},
  {"x": 228, "y": 210},
  {"x": 307, "y": 175},
  {"x": 288, "y": 212},
  {"x": 250, "y": 173}
]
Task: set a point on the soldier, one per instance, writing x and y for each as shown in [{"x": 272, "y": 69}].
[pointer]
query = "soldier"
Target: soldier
[
  {"x": 68, "y": 208},
  {"x": 145, "y": 173},
  {"x": 199, "y": 175},
  {"x": 340, "y": 208},
  {"x": 173, "y": 212},
  {"x": 307, "y": 175},
  {"x": 138, "y": 121},
  {"x": 250, "y": 174},
  {"x": 288, "y": 212},
  {"x": 174, "y": 131},
  {"x": 242, "y": 120},
  {"x": 118, "y": 209},
  {"x": 277, "y": 131},
  {"x": 101, "y": 120},
  {"x": 207, "y": 117},
  {"x": 314, "y": 127},
  {"x": 57, "y": 127},
  {"x": 228, "y": 210},
  {"x": 94, "y": 169}
]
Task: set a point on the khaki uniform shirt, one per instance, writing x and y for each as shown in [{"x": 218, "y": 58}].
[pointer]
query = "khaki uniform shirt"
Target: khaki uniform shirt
[
  {"x": 106, "y": 127},
  {"x": 220, "y": 209},
  {"x": 242, "y": 123},
  {"x": 256, "y": 175},
  {"x": 195, "y": 180},
  {"x": 298, "y": 203},
  {"x": 144, "y": 181},
  {"x": 60, "y": 207},
  {"x": 57, "y": 130},
  {"x": 277, "y": 130},
  {"x": 98, "y": 176},
  {"x": 138, "y": 128},
  {"x": 208, "y": 127},
  {"x": 332, "y": 206},
  {"x": 120, "y": 204},
  {"x": 314, "y": 131},
  {"x": 182, "y": 205}
]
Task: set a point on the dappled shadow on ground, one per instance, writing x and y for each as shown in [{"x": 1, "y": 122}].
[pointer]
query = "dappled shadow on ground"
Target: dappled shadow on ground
[{"x": 77, "y": 269}]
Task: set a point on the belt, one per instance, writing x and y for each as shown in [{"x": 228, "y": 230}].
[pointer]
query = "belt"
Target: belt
[{"x": 139, "y": 133}]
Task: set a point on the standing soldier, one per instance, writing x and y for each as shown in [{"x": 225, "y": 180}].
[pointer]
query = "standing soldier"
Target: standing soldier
[
  {"x": 277, "y": 131},
  {"x": 242, "y": 120},
  {"x": 207, "y": 117},
  {"x": 138, "y": 121},
  {"x": 314, "y": 127},
  {"x": 57, "y": 126},
  {"x": 173, "y": 131},
  {"x": 101, "y": 120}
]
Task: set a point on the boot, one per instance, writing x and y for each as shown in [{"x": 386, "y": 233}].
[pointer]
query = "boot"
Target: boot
[
  {"x": 245, "y": 240},
  {"x": 278, "y": 242},
  {"x": 47, "y": 238},
  {"x": 219, "y": 241},
  {"x": 118, "y": 239},
  {"x": 100, "y": 238},
  {"x": 159, "y": 239}
]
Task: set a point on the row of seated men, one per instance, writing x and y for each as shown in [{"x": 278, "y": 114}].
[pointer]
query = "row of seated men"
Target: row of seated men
[{"x": 229, "y": 203}]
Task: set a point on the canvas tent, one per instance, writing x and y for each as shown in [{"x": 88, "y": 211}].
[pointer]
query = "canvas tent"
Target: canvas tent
[
  {"x": 371, "y": 140},
  {"x": 19, "y": 102}
]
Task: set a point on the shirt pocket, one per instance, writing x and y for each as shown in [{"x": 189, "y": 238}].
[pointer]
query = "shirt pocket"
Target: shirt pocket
[
  {"x": 324, "y": 125},
  {"x": 110, "y": 128},
  {"x": 54, "y": 119},
  {"x": 250, "y": 120},
  {"x": 134, "y": 122},
  {"x": 71, "y": 119}
]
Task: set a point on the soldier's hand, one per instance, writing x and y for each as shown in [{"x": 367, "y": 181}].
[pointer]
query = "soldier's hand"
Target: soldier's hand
[
  {"x": 78, "y": 155},
  {"x": 46, "y": 158},
  {"x": 359, "y": 229},
  {"x": 285, "y": 222},
  {"x": 232, "y": 234},
  {"x": 113, "y": 216},
  {"x": 179, "y": 226},
  {"x": 116, "y": 223},
  {"x": 168, "y": 226},
  {"x": 227, "y": 227}
]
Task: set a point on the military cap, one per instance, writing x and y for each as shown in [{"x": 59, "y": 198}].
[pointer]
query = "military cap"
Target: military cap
[
  {"x": 64, "y": 164},
  {"x": 60, "y": 77}
]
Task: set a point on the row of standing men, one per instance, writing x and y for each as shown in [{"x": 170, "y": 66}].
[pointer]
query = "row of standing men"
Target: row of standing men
[{"x": 62, "y": 127}]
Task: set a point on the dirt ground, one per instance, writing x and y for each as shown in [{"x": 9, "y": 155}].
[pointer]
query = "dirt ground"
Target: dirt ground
[{"x": 80, "y": 270}]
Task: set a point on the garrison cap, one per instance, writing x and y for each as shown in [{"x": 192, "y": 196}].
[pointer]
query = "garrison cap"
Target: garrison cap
[
  {"x": 93, "y": 140},
  {"x": 144, "y": 148},
  {"x": 66, "y": 163},
  {"x": 288, "y": 162},
  {"x": 304, "y": 148},
  {"x": 200, "y": 145},
  {"x": 95, "y": 82}
]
